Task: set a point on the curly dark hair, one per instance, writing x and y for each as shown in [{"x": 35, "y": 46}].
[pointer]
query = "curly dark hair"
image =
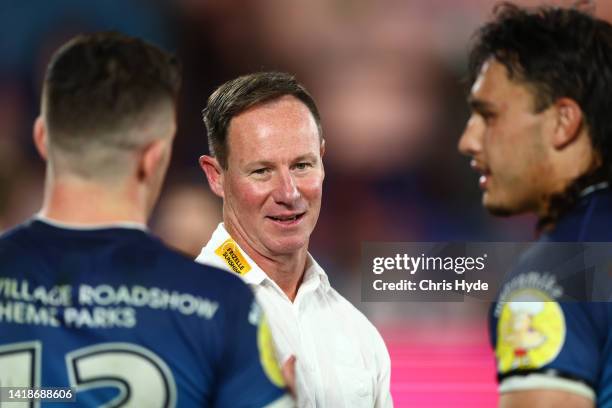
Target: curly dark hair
[{"x": 556, "y": 52}]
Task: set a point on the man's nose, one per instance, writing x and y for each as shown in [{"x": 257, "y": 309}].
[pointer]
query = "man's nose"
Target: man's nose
[
  {"x": 470, "y": 143},
  {"x": 286, "y": 189}
]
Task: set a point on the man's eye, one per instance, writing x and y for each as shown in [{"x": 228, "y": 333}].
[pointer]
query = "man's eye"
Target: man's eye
[
  {"x": 260, "y": 171},
  {"x": 487, "y": 116},
  {"x": 302, "y": 166}
]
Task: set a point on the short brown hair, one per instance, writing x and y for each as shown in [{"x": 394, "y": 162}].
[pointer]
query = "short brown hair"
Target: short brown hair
[
  {"x": 100, "y": 84},
  {"x": 238, "y": 95}
]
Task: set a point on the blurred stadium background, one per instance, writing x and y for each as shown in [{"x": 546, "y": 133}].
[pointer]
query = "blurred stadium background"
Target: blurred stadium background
[{"x": 388, "y": 77}]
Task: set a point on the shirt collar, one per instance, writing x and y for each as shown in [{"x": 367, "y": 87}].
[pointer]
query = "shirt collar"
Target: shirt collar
[
  {"x": 315, "y": 273},
  {"x": 228, "y": 255},
  {"x": 89, "y": 227},
  {"x": 225, "y": 253}
]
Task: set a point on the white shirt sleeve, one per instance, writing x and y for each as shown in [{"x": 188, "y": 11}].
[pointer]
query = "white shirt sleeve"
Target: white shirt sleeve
[{"x": 383, "y": 387}]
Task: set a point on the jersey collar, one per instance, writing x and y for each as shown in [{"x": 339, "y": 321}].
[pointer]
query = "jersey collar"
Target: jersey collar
[
  {"x": 88, "y": 226},
  {"x": 593, "y": 188}
]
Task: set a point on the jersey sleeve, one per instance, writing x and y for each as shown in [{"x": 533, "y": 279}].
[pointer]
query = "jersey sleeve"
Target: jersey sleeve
[
  {"x": 545, "y": 344},
  {"x": 249, "y": 374}
]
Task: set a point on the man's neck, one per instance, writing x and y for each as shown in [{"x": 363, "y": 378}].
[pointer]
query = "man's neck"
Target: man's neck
[
  {"x": 286, "y": 270},
  {"x": 568, "y": 169},
  {"x": 79, "y": 202}
]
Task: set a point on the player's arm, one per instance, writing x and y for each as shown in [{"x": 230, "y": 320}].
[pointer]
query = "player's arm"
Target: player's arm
[
  {"x": 249, "y": 375},
  {"x": 552, "y": 357},
  {"x": 542, "y": 390},
  {"x": 544, "y": 399}
]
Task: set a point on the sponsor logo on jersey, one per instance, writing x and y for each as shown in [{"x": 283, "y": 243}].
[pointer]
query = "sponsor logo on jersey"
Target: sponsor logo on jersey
[
  {"x": 530, "y": 330},
  {"x": 267, "y": 355},
  {"x": 232, "y": 256},
  {"x": 543, "y": 282}
]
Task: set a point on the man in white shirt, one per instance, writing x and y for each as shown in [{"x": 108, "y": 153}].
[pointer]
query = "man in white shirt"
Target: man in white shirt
[{"x": 266, "y": 149}]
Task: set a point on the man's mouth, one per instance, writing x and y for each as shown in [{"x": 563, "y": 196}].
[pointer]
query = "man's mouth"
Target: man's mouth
[
  {"x": 483, "y": 181},
  {"x": 485, "y": 173},
  {"x": 287, "y": 218}
]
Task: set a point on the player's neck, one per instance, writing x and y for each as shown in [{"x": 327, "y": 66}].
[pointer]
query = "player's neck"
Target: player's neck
[
  {"x": 286, "y": 270},
  {"x": 77, "y": 201},
  {"x": 565, "y": 167}
]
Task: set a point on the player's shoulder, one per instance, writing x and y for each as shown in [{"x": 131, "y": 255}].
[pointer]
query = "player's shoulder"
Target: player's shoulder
[
  {"x": 14, "y": 241},
  {"x": 205, "y": 273},
  {"x": 16, "y": 233},
  {"x": 180, "y": 269},
  {"x": 118, "y": 248},
  {"x": 588, "y": 222}
]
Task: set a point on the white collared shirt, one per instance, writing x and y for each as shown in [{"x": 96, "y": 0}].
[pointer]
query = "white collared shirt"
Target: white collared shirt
[{"x": 342, "y": 360}]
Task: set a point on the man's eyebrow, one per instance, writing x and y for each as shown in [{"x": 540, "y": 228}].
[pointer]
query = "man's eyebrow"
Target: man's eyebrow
[
  {"x": 268, "y": 163},
  {"x": 259, "y": 163},
  {"x": 479, "y": 105},
  {"x": 307, "y": 156}
]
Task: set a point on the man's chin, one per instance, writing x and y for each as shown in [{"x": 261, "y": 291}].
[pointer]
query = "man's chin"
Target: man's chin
[
  {"x": 498, "y": 209},
  {"x": 288, "y": 247}
]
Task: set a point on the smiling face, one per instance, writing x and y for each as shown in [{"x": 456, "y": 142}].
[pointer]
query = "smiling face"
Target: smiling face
[
  {"x": 507, "y": 140},
  {"x": 273, "y": 182}
]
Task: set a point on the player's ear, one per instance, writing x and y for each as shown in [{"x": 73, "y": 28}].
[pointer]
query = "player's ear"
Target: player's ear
[
  {"x": 39, "y": 134},
  {"x": 153, "y": 156},
  {"x": 214, "y": 174},
  {"x": 569, "y": 122}
]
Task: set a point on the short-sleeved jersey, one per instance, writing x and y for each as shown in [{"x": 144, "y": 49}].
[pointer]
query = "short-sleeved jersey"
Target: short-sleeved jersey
[
  {"x": 544, "y": 333},
  {"x": 122, "y": 319}
]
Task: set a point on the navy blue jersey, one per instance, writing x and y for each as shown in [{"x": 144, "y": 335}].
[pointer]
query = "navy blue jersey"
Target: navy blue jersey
[
  {"x": 544, "y": 333},
  {"x": 119, "y": 317}
]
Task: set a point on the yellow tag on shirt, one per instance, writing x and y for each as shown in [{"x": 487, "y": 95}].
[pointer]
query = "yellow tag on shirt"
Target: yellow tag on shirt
[{"x": 233, "y": 257}]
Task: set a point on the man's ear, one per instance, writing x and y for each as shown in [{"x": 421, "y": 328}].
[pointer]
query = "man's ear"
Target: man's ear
[
  {"x": 569, "y": 122},
  {"x": 39, "y": 134},
  {"x": 214, "y": 174},
  {"x": 153, "y": 156},
  {"x": 322, "y": 150}
]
